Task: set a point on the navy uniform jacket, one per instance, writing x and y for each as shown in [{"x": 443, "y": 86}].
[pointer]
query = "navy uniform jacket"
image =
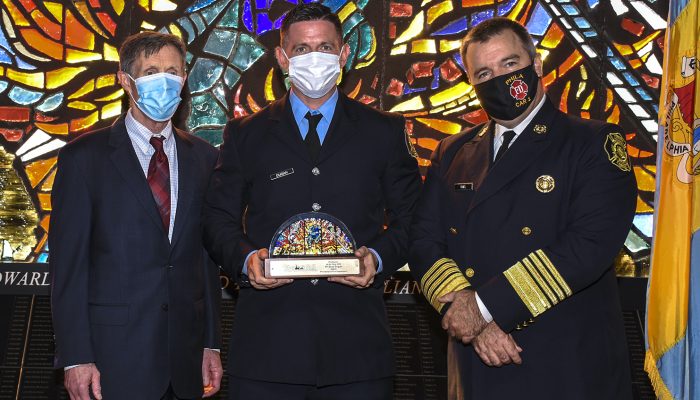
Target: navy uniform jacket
[
  {"x": 122, "y": 296},
  {"x": 535, "y": 236},
  {"x": 302, "y": 333}
]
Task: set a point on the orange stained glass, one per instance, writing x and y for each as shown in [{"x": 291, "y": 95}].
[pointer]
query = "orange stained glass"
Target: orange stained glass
[
  {"x": 473, "y": 3},
  {"x": 637, "y": 152},
  {"x": 422, "y": 162},
  {"x": 608, "y": 99},
  {"x": 33, "y": 79},
  {"x": 49, "y": 27},
  {"x": 110, "y": 53},
  {"x": 614, "y": 117},
  {"x": 345, "y": 12},
  {"x": 441, "y": 125},
  {"x": 28, "y": 5},
  {"x": 45, "y": 222},
  {"x": 427, "y": 143},
  {"x": 118, "y": 6},
  {"x": 56, "y": 9},
  {"x": 61, "y": 76},
  {"x": 450, "y": 94},
  {"x": 56, "y": 129},
  {"x": 643, "y": 207},
  {"x": 645, "y": 179},
  {"x": 78, "y": 56},
  {"x": 37, "y": 170},
  {"x": 80, "y": 124},
  {"x": 15, "y": 14},
  {"x": 563, "y": 102},
  {"x": 570, "y": 62},
  {"x": 112, "y": 109},
  {"x": 353, "y": 94},
  {"x": 82, "y": 105},
  {"x": 587, "y": 104},
  {"x": 414, "y": 29},
  {"x": 117, "y": 94},
  {"x": 44, "y": 201},
  {"x": 95, "y": 3},
  {"x": 78, "y": 35},
  {"x": 553, "y": 37},
  {"x": 585, "y": 115},
  {"x": 105, "y": 80},
  {"x": 41, "y": 43},
  {"x": 624, "y": 49},
  {"x": 252, "y": 104},
  {"x": 14, "y": 114},
  {"x": 41, "y": 244},
  {"x": 549, "y": 78},
  {"x": 439, "y": 9},
  {"x": 84, "y": 11},
  {"x": 107, "y": 22},
  {"x": 636, "y": 63},
  {"x": 48, "y": 183},
  {"x": 88, "y": 87},
  {"x": 423, "y": 46}
]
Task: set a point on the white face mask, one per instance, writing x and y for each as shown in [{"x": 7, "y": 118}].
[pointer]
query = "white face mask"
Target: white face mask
[{"x": 315, "y": 73}]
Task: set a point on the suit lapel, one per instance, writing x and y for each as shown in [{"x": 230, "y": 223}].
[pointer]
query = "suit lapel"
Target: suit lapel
[
  {"x": 523, "y": 152},
  {"x": 186, "y": 163},
  {"x": 285, "y": 129},
  {"x": 343, "y": 125},
  {"x": 125, "y": 161}
]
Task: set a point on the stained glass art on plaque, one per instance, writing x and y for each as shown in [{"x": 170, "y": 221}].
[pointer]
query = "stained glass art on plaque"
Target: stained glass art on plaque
[{"x": 312, "y": 245}]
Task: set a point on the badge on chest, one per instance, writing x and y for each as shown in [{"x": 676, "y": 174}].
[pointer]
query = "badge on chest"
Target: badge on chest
[{"x": 464, "y": 186}]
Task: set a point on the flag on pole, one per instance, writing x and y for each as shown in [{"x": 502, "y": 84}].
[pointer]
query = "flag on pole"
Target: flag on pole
[{"x": 673, "y": 295}]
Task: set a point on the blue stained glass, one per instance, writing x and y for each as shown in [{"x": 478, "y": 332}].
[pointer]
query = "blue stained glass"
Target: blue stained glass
[
  {"x": 617, "y": 63},
  {"x": 261, "y": 4},
  {"x": 264, "y": 24},
  {"x": 43, "y": 258},
  {"x": 458, "y": 60},
  {"x": 453, "y": 27},
  {"x": 187, "y": 26},
  {"x": 334, "y": 5},
  {"x": 204, "y": 74},
  {"x": 205, "y": 112},
  {"x": 51, "y": 103},
  {"x": 365, "y": 40},
  {"x": 480, "y": 16},
  {"x": 198, "y": 5},
  {"x": 352, "y": 44},
  {"x": 230, "y": 19},
  {"x": 436, "y": 78},
  {"x": 246, "y": 53},
  {"x": 278, "y": 24},
  {"x": 590, "y": 33},
  {"x": 351, "y": 22},
  {"x": 645, "y": 223},
  {"x": 220, "y": 94},
  {"x": 23, "y": 65},
  {"x": 630, "y": 79},
  {"x": 593, "y": 3},
  {"x": 4, "y": 43},
  {"x": 656, "y": 108},
  {"x": 540, "y": 21},
  {"x": 569, "y": 9},
  {"x": 582, "y": 23},
  {"x": 5, "y": 57},
  {"x": 231, "y": 76},
  {"x": 198, "y": 22},
  {"x": 247, "y": 16},
  {"x": 221, "y": 43},
  {"x": 643, "y": 94},
  {"x": 361, "y": 4},
  {"x": 3, "y": 86},
  {"x": 213, "y": 136},
  {"x": 408, "y": 90},
  {"x": 609, "y": 53},
  {"x": 23, "y": 96},
  {"x": 210, "y": 13},
  {"x": 504, "y": 8}
]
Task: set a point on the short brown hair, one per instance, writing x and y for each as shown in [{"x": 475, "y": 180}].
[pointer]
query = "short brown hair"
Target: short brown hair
[
  {"x": 492, "y": 27},
  {"x": 147, "y": 43}
]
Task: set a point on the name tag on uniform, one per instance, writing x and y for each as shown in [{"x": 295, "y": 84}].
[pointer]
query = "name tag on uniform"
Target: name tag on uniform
[
  {"x": 281, "y": 174},
  {"x": 464, "y": 186}
]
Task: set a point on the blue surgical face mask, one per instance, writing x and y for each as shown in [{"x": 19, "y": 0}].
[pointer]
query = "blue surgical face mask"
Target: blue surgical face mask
[{"x": 159, "y": 95}]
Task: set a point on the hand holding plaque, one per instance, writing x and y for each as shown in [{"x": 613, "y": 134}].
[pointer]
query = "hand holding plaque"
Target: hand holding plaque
[{"x": 312, "y": 245}]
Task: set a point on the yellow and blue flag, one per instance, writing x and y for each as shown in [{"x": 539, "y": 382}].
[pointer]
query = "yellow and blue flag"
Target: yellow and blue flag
[{"x": 673, "y": 296}]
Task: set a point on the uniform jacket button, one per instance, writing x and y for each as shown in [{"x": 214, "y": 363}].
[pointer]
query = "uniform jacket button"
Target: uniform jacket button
[
  {"x": 469, "y": 272},
  {"x": 453, "y": 231},
  {"x": 315, "y": 206},
  {"x": 316, "y": 171},
  {"x": 526, "y": 230}
]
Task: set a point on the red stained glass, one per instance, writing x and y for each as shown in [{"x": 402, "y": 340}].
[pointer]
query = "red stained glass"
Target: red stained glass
[
  {"x": 392, "y": 30},
  {"x": 449, "y": 70},
  {"x": 475, "y": 117},
  {"x": 28, "y": 5},
  {"x": 651, "y": 81},
  {"x": 395, "y": 88},
  {"x": 107, "y": 22},
  {"x": 14, "y": 114},
  {"x": 400, "y": 9},
  {"x": 632, "y": 26},
  {"x": 409, "y": 127},
  {"x": 11, "y": 135},
  {"x": 41, "y": 117},
  {"x": 95, "y": 3},
  {"x": 375, "y": 81},
  {"x": 365, "y": 99},
  {"x": 423, "y": 69},
  {"x": 410, "y": 77}
]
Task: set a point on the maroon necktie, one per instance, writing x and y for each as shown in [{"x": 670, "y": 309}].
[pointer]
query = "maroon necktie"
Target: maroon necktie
[{"x": 159, "y": 180}]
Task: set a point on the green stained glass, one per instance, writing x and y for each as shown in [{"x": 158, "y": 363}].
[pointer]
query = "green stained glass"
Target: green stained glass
[
  {"x": 351, "y": 22},
  {"x": 205, "y": 112},
  {"x": 23, "y": 96},
  {"x": 220, "y": 43},
  {"x": 188, "y": 58},
  {"x": 230, "y": 19},
  {"x": 220, "y": 93},
  {"x": 635, "y": 243},
  {"x": 198, "y": 22},
  {"x": 185, "y": 24},
  {"x": 352, "y": 43},
  {"x": 365, "y": 40},
  {"x": 361, "y": 4},
  {"x": 213, "y": 136},
  {"x": 247, "y": 52},
  {"x": 204, "y": 74},
  {"x": 3, "y": 86},
  {"x": 231, "y": 76},
  {"x": 210, "y": 13},
  {"x": 51, "y": 103}
]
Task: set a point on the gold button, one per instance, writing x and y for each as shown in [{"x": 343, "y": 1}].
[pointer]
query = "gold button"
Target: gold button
[
  {"x": 453, "y": 231},
  {"x": 469, "y": 272},
  {"x": 531, "y": 321},
  {"x": 524, "y": 324},
  {"x": 518, "y": 328},
  {"x": 526, "y": 230}
]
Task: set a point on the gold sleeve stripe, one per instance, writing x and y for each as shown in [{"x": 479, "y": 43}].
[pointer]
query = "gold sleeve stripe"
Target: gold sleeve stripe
[
  {"x": 452, "y": 285},
  {"x": 443, "y": 277},
  {"x": 434, "y": 271},
  {"x": 435, "y": 288},
  {"x": 438, "y": 273},
  {"x": 527, "y": 289},
  {"x": 538, "y": 278},
  {"x": 547, "y": 276},
  {"x": 554, "y": 272}
]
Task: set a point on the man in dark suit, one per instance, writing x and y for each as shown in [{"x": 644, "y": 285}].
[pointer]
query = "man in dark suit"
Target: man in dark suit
[
  {"x": 135, "y": 299},
  {"x": 312, "y": 150},
  {"x": 515, "y": 234}
]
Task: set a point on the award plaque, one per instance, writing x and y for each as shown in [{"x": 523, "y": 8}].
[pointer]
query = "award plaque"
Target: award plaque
[{"x": 312, "y": 245}]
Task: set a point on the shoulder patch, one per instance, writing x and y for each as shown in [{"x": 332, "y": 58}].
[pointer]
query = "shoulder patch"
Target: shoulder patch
[
  {"x": 616, "y": 148},
  {"x": 409, "y": 144}
]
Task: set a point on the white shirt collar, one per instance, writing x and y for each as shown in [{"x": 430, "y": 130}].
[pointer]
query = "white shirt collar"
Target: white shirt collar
[
  {"x": 135, "y": 128},
  {"x": 518, "y": 129}
]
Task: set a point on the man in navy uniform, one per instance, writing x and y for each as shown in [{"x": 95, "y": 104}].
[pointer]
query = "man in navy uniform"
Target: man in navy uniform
[
  {"x": 515, "y": 233},
  {"x": 312, "y": 150}
]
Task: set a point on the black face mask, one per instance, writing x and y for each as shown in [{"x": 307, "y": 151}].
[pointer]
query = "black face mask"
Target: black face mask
[{"x": 507, "y": 96}]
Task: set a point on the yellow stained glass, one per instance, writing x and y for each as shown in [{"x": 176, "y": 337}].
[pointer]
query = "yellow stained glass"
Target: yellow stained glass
[
  {"x": 118, "y": 6},
  {"x": 624, "y": 49},
  {"x": 56, "y": 129},
  {"x": 414, "y": 29},
  {"x": 450, "y": 94},
  {"x": 34, "y": 79},
  {"x": 473, "y": 3},
  {"x": 640, "y": 44},
  {"x": 401, "y": 49},
  {"x": 147, "y": 26},
  {"x": 581, "y": 88},
  {"x": 45, "y": 201},
  {"x": 78, "y": 35},
  {"x": 37, "y": 170},
  {"x": 56, "y": 9},
  {"x": 514, "y": 12},
  {"x": 163, "y": 5},
  {"x": 175, "y": 30},
  {"x": 48, "y": 183},
  {"x": 584, "y": 72},
  {"x": 438, "y": 9},
  {"x": 553, "y": 37},
  {"x": 570, "y": 62},
  {"x": 456, "y": 110},
  {"x": 425, "y": 2},
  {"x": 587, "y": 104},
  {"x": 645, "y": 180},
  {"x": 145, "y": 4},
  {"x": 608, "y": 99},
  {"x": 543, "y": 54},
  {"x": 448, "y": 45},
  {"x": 61, "y": 76},
  {"x": 642, "y": 206},
  {"x": 366, "y": 63},
  {"x": 80, "y": 124},
  {"x": 423, "y": 46},
  {"x": 614, "y": 117},
  {"x": 373, "y": 46},
  {"x": 20, "y": 47},
  {"x": 105, "y": 80},
  {"x": 413, "y": 104},
  {"x": 16, "y": 14},
  {"x": 78, "y": 56},
  {"x": 117, "y": 94},
  {"x": 110, "y": 53},
  {"x": 345, "y": 12},
  {"x": 645, "y": 56},
  {"x": 82, "y": 105},
  {"x": 112, "y": 109},
  {"x": 85, "y": 12},
  {"x": 443, "y": 126},
  {"x": 269, "y": 93},
  {"x": 88, "y": 87},
  {"x": 40, "y": 42}
]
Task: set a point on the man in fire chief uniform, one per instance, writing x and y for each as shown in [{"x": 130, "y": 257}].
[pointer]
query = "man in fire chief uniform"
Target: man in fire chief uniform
[{"x": 515, "y": 233}]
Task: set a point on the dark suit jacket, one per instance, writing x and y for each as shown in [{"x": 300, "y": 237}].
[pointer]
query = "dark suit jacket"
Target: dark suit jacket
[
  {"x": 142, "y": 309},
  {"x": 538, "y": 251},
  {"x": 301, "y": 333}
]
